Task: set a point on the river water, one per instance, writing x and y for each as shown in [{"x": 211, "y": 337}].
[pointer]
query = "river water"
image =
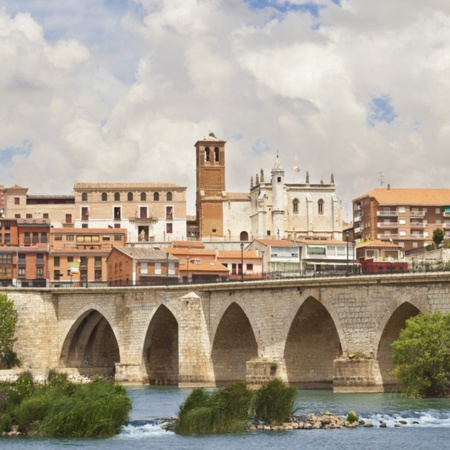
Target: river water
[{"x": 428, "y": 426}]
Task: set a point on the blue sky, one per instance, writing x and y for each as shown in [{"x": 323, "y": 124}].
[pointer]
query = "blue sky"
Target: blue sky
[{"x": 120, "y": 90}]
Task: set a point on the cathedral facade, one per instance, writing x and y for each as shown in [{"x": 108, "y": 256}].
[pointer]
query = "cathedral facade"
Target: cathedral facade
[{"x": 271, "y": 209}]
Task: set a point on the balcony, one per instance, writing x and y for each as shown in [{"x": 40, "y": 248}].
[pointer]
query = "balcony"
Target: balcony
[
  {"x": 446, "y": 225},
  {"x": 417, "y": 214},
  {"x": 358, "y": 230},
  {"x": 387, "y": 224},
  {"x": 387, "y": 213},
  {"x": 446, "y": 214},
  {"x": 417, "y": 225},
  {"x": 387, "y": 237},
  {"x": 357, "y": 219}
]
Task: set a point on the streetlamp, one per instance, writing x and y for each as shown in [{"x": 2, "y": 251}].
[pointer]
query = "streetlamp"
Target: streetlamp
[
  {"x": 167, "y": 268},
  {"x": 242, "y": 261},
  {"x": 346, "y": 238}
]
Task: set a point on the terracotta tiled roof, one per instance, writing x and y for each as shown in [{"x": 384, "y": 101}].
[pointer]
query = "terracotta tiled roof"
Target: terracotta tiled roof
[
  {"x": 145, "y": 253},
  {"x": 191, "y": 251},
  {"x": 236, "y": 254},
  {"x": 122, "y": 185},
  {"x": 277, "y": 243},
  {"x": 89, "y": 231},
  {"x": 405, "y": 197},
  {"x": 322, "y": 241},
  {"x": 199, "y": 265},
  {"x": 187, "y": 244},
  {"x": 377, "y": 244}
]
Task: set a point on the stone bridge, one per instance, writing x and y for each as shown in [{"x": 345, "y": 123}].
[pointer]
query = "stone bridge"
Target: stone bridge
[{"x": 315, "y": 332}]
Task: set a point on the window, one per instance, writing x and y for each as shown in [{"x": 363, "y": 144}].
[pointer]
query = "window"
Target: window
[
  {"x": 21, "y": 271},
  {"x": 7, "y": 238},
  {"x": 156, "y": 197},
  {"x": 106, "y": 238},
  {"x": 69, "y": 237},
  {"x": 117, "y": 213},
  {"x": 98, "y": 274},
  {"x": 401, "y": 209},
  {"x": 17, "y": 200},
  {"x": 39, "y": 258},
  {"x": 22, "y": 258},
  {"x": 169, "y": 196},
  {"x": 35, "y": 237},
  {"x": 144, "y": 268},
  {"x": 278, "y": 179},
  {"x": 438, "y": 211},
  {"x": 169, "y": 228},
  {"x": 117, "y": 196},
  {"x": 169, "y": 212},
  {"x": 68, "y": 218},
  {"x": 45, "y": 215},
  {"x": 117, "y": 237},
  {"x": 295, "y": 206},
  {"x": 44, "y": 237},
  {"x": 84, "y": 213},
  {"x": 84, "y": 197},
  {"x": 70, "y": 259},
  {"x": 130, "y": 196},
  {"x": 98, "y": 261},
  {"x": 17, "y": 216},
  {"x": 56, "y": 261},
  {"x": 29, "y": 216},
  {"x": 7, "y": 225},
  {"x": 158, "y": 268},
  {"x": 143, "y": 212},
  {"x": 249, "y": 267},
  {"x": 104, "y": 197},
  {"x": 320, "y": 206},
  {"x": 143, "y": 197},
  {"x": 207, "y": 154},
  {"x": 216, "y": 154}
]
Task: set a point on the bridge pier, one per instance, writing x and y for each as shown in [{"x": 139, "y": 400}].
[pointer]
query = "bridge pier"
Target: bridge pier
[{"x": 357, "y": 375}]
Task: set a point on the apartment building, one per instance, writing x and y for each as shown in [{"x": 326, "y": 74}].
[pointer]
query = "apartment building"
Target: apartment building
[
  {"x": 24, "y": 252},
  {"x": 78, "y": 255},
  {"x": 406, "y": 217}
]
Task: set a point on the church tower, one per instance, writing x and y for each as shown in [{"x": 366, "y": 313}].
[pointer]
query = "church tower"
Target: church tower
[
  {"x": 278, "y": 199},
  {"x": 210, "y": 192}
]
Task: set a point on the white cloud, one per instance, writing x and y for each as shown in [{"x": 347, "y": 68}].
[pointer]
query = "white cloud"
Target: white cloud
[{"x": 123, "y": 94}]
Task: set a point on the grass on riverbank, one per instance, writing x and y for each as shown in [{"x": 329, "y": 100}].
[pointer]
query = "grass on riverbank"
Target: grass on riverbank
[
  {"x": 229, "y": 409},
  {"x": 59, "y": 408}
]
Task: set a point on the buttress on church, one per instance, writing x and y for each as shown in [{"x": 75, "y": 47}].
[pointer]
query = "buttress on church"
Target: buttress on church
[{"x": 272, "y": 209}]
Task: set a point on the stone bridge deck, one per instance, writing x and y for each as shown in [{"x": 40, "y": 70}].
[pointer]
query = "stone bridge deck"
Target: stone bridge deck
[{"x": 311, "y": 332}]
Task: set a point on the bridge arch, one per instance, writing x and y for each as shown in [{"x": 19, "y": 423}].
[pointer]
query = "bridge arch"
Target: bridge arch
[
  {"x": 91, "y": 344},
  {"x": 234, "y": 344},
  {"x": 160, "y": 351},
  {"x": 312, "y": 345},
  {"x": 390, "y": 332}
]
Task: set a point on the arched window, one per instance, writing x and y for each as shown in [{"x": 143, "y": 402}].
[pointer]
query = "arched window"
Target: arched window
[
  {"x": 104, "y": 197},
  {"x": 117, "y": 196},
  {"x": 216, "y": 154},
  {"x": 295, "y": 206},
  {"x": 207, "y": 154},
  {"x": 156, "y": 197},
  {"x": 243, "y": 236},
  {"x": 130, "y": 196},
  {"x": 84, "y": 197},
  {"x": 169, "y": 196},
  {"x": 320, "y": 206},
  {"x": 143, "y": 196}
]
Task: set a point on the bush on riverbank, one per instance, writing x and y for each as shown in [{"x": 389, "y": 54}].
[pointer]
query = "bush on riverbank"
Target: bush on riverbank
[
  {"x": 422, "y": 355},
  {"x": 228, "y": 409},
  {"x": 59, "y": 408}
]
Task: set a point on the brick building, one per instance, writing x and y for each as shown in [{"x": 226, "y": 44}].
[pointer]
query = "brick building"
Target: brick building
[{"x": 406, "y": 217}]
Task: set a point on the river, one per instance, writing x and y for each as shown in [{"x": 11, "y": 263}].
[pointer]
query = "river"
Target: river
[{"x": 428, "y": 426}]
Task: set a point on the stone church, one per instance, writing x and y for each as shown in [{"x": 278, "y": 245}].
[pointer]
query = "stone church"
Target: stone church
[{"x": 271, "y": 209}]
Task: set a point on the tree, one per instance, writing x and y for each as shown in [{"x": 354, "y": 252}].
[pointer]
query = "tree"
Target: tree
[
  {"x": 422, "y": 355},
  {"x": 8, "y": 321},
  {"x": 438, "y": 236}
]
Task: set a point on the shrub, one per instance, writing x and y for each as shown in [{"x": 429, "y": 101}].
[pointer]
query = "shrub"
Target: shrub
[
  {"x": 223, "y": 411},
  {"x": 8, "y": 321},
  {"x": 274, "y": 402},
  {"x": 422, "y": 355}
]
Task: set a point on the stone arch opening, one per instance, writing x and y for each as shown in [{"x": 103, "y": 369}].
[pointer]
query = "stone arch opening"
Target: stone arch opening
[
  {"x": 161, "y": 348},
  {"x": 391, "y": 332},
  {"x": 311, "y": 347},
  {"x": 91, "y": 346},
  {"x": 234, "y": 345}
]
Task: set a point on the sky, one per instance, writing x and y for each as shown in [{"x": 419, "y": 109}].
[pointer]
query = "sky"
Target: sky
[{"x": 120, "y": 91}]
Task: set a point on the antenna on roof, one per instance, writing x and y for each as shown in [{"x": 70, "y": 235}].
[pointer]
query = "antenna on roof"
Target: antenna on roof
[{"x": 381, "y": 178}]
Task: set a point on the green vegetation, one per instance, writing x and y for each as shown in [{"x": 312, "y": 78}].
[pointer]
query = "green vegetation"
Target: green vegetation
[
  {"x": 228, "y": 409},
  {"x": 274, "y": 402},
  {"x": 438, "y": 236},
  {"x": 59, "y": 408},
  {"x": 8, "y": 321},
  {"x": 422, "y": 355}
]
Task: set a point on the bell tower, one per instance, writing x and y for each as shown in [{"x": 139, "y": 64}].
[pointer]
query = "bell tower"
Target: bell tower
[{"x": 210, "y": 193}]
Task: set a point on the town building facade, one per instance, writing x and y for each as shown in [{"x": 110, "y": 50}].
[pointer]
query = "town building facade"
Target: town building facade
[{"x": 406, "y": 217}]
